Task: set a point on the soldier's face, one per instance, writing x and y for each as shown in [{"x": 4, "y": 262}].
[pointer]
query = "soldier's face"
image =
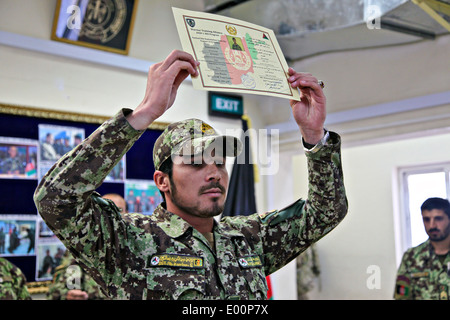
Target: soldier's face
[
  {"x": 437, "y": 224},
  {"x": 199, "y": 185}
]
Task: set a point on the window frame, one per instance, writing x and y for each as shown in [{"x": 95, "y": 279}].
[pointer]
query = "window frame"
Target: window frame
[{"x": 404, "y": 238}]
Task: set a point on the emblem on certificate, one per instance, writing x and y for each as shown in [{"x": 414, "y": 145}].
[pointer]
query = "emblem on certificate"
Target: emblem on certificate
[
  {"x": 231, "y": 30},
  {"x": 190, "y": 22}
]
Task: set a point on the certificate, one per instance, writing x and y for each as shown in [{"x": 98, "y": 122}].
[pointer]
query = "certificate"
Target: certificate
[{"x": 234, "y": 56}]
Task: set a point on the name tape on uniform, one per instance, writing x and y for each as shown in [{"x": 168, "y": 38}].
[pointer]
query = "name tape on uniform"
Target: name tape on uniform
[
  {"x": 250, "y": 262},
  {"x": 176, "y": 260}
]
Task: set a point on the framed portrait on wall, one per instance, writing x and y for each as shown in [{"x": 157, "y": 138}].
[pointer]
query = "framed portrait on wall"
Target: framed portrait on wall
[{"x": 99, "y": 24}]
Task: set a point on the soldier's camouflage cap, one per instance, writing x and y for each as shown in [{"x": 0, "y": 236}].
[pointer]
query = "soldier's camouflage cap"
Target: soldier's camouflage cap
[{"x": 192, "y": 137}]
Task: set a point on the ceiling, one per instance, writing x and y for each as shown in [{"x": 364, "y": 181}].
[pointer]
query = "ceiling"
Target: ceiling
[{"x": 309, "y": 27}]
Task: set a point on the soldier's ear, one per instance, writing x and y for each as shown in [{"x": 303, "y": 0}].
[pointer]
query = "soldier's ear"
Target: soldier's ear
[{"x": 161, "y": 180}]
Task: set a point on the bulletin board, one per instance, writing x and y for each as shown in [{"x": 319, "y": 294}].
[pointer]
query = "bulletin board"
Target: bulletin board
[{"x": 31, "y": 140}]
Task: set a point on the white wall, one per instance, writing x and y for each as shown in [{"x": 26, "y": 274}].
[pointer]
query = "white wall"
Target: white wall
[{"x": 366, "y": 236}]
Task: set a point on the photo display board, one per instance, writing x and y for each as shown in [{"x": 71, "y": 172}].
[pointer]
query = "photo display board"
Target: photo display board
[{"x": 31, "y": 141}]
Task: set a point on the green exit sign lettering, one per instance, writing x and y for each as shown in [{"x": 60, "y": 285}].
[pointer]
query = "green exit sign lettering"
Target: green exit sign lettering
[{"x": 224, "y": 105}]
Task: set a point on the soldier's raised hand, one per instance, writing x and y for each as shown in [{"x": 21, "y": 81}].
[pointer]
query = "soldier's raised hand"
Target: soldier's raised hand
[
  {"x": 163, "y": 81},
  {"x": 310, "y": 111}
]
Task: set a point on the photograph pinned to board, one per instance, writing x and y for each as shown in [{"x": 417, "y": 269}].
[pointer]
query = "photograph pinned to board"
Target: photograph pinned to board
[
  {"x": 49, "y": 256},
  {"x": 142, "y": 196},
  {"x": 18, "y": 158},
  {"x": 117, "y": 173},
  {"x": 54, "y": 142},
  {"x": 17, "y": 235}
]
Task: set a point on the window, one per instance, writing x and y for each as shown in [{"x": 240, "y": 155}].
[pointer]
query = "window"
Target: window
[{"x": 418, "y": 184}]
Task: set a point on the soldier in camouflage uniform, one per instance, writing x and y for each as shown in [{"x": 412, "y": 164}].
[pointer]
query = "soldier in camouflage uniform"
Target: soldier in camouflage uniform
[
  {"x": 13, "y": 284},
  {"x": 71, "y": 283},
  {"x": 181, "y": 251},
  {"x": 424, "y": 272},
  {"x": 13, "y": 164}
]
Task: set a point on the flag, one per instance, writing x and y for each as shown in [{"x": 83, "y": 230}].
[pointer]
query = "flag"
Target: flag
[
  {"x": 241, "y": 198},
  {"x": 269, "y": 291}
]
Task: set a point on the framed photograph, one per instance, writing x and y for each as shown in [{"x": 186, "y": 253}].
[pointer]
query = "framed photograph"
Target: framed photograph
[
  {"x": 44, "y": 231},
  {"x": 18, "y": 158},
  {"x": 17, "y": 235},
  {"x": 117, "y": 174},
  {"x": 99, "y": 24},
  {"x": 54, "y": 142},
  {"x": 49, "y": 256},
  {"x": 142, "y": 196}
]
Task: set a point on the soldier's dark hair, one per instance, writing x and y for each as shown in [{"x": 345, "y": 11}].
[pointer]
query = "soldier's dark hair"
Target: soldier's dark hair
[
  {"x": 166, "y": 167},
  {"x": 436, "y": 203}
]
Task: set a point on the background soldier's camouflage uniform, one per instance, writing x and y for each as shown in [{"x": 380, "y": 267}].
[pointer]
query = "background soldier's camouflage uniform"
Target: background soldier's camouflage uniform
[
  {"x": 307, "y": 270},
  {"x": 65, "y": 279},
  {"x": 422, "y": 276},
  {"x": 133, "y": 256},
  {"x": 13, "y": 285}
]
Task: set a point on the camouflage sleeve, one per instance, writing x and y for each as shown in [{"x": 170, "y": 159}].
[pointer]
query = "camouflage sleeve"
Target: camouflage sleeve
[
  {"x": 22, "y": 289},
  {"x": 288, "y": 232},
  {"x": 402, "y": 290},
  {"x": 13, "y": 284},
  {"x": 88, "y": 225}
]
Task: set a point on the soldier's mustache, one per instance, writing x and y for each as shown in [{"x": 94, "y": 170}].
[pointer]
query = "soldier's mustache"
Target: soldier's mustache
[{"x": 211, "y": 186}]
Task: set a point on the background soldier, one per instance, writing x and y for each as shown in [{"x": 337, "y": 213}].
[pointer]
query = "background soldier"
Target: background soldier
[
  {"x": 70, "y": 282},
  {"x": 13, "y": 164},
  {"x": 424, "y": 272}
]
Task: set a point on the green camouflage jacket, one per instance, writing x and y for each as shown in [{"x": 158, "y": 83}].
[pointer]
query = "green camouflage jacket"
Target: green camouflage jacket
[
  {"x": 422, "y": 276},
  {"x": 13, "y": 285},
  {"x": 133, "y": 256}
]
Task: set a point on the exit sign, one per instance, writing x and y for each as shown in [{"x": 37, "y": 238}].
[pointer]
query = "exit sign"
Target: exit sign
[{"x": 224, "y": 105}]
